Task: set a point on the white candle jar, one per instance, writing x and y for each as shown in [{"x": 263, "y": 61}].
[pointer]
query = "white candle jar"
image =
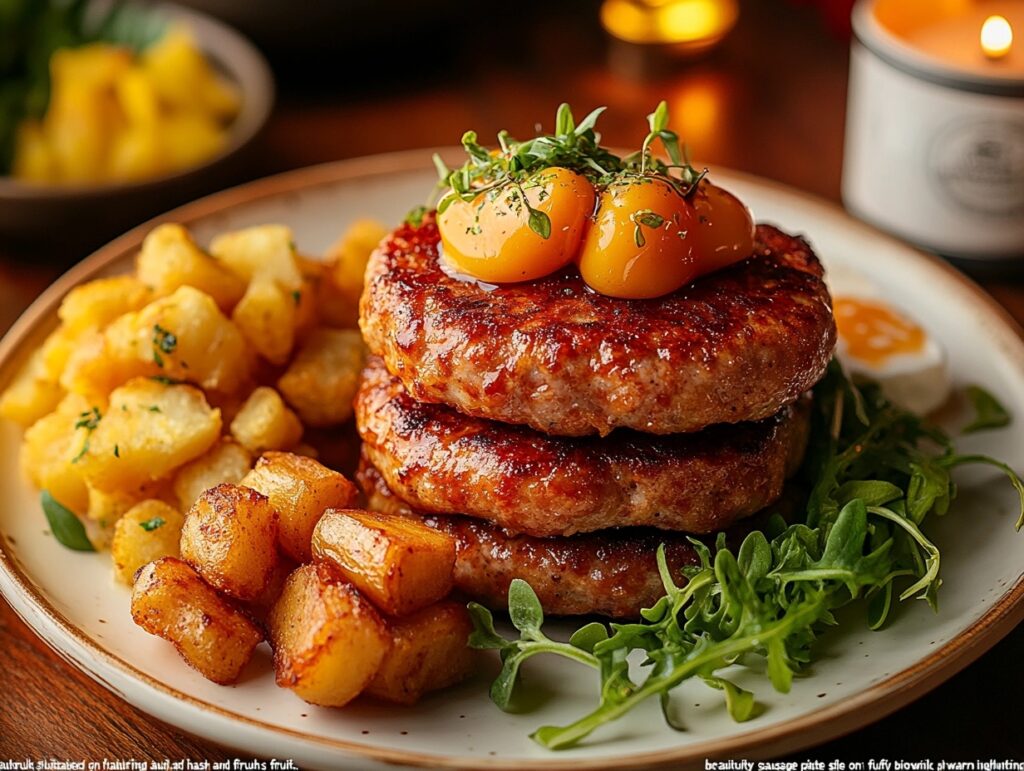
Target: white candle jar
[{"x": 934, "y": 152}]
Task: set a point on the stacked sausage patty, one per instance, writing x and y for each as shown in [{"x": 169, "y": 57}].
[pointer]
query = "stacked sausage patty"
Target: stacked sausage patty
[{"x": 561, "y": 435}]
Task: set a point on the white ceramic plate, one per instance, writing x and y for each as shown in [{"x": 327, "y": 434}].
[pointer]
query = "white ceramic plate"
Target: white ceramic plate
[{"x": 71, "y": 600}]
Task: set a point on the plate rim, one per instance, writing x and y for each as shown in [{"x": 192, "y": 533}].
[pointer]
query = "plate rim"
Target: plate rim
[{"x": 873, "y": 703}]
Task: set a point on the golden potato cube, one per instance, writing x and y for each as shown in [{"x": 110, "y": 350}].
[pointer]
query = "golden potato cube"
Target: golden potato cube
[
  {"x": 183, "y": 337},
  {"x": 398, "y": 562},
  {"x": 50, "y": 448},
  {"x": 147, "y": 531},
  {"x": 265, "y": 423},
  {"x": 266, "y": 317},
  {"x": 224, "y": 463},
  {"x": 307, "y": 307},
  {"x": 33, "y": 157},
  {"x": 171, "y": 601},
  {"x": 300, "y": 489},
  {"x": 230, "y": 538},
  {"x": 170, "y": 259},
  {"x": 267, "y": 251},
  {"x": 92, "y": 370},
  {"x": 97, "y": 303},
  {"x": 328, "y": 640},
  {"x": 428, "y": 652},
  {"x": 32, "y": 394},
  {"x": 108, "y": 506},
  {"x": 60, "y": 347},
  {"x": 148, "y": 431},
  {"x": 347, "y": 259},
  {"x": 322, "y": 379}
]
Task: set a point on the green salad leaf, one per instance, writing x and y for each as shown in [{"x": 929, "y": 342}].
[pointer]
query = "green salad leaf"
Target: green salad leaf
[{"x": 875, "y": 473}]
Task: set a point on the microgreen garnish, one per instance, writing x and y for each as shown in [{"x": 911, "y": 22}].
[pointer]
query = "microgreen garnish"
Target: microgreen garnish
[
  {"x": 875, "y": 472},
  {"x": 648, "y": 219},
  {"x": 65, "y": 526},
  {"x": 296, "y": 296},
  {"x": 988, "y": 412},
  {"x": 117, "y": 451},
  {"x": 514, "y": 165},
  {"x": 88, "y": 420},
  {"x": 415, "y": 216},
  {"x": 152, "y": 524},
  {"x": 164, "y": 341},
  {"x": 165, "y": 380}
]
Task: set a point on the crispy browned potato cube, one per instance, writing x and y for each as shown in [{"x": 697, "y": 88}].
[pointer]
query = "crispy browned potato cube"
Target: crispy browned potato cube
[
  {"x": 32, "y": 394},
  {"x": 97, "y": 303},
  {"x": 265, "y": 250},
  {"x": 171, "y": 601},
  {"x": 428, "y": 652},
  {"x": 148, "y": 431},
  {"x": 321, "y": 381},
  {"x": 225, "y": 462},
  {"x": 347, "y": 259},
  {"x": 49, "y": 450},
  {"x": 170, "y": 259},
  {"x": 265, "y": 423},
  {"x": 185, "y": 337},
  {"x": 327, "y": 638},
  {"x": 147, "y": 531},
  {"x": 398, "y": 562},
  {"x": 266, "y": 317},
  {"x": 230, "y": 538},
  {"x": 300, "y": 489}
]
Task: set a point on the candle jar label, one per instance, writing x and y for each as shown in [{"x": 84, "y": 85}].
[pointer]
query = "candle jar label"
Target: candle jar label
[{"x": 979, "y": 164}]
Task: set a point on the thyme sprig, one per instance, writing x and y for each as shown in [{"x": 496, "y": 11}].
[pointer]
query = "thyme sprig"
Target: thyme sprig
[
  {"x": 875, "y": 473},
  {"x": 513, "y": 167}
]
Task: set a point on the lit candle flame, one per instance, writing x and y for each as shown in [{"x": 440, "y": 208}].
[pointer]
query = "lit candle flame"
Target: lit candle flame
[{"x": 996, "y": 37}]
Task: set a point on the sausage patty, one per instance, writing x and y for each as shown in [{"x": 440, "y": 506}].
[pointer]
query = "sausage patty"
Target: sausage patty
[
  {"x": 442, "y": 461},
  {"x": 736, "y": 345},
  {"x": 612, "y": 573}
]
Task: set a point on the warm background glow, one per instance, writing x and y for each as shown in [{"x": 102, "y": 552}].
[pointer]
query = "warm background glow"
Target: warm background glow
[
  {"x": 669, "y": 22},
  {"x": 996, "y": 37}
]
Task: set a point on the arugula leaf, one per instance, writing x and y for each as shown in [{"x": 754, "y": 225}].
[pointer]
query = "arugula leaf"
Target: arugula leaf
[
  {"x": 988, "y": 412},
  {"x": 876, "y": 473},
  {"x": 65, "y": 526}
]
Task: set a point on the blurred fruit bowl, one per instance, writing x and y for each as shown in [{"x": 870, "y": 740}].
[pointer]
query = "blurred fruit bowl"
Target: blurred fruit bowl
[{"x": 79, "y": 213}]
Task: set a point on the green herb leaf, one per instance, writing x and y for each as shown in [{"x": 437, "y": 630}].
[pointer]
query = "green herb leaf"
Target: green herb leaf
[
  {"x": 65, "y": 526},
  {"x": 152, "y": 524},
  {"x": 988, "y": 412},
  {"x": 415, "y": 216},
  {"x": 540, "y": 223}
]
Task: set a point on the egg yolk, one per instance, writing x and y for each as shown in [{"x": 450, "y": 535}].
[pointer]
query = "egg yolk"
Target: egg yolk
[
  {"x": 490, "y": 238},
  {"x": 873, "y": 332},
  {"x": 724, "y": 232},
  {"x": 639, "y": 244}
]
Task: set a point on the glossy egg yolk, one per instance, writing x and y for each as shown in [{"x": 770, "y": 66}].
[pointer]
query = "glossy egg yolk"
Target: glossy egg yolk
[
  {"x": 490, "y": 238},
  {"x": 873, "y": 332},
  {"x": 639, "y": 244},
  {"x": 724, "y": 232}
]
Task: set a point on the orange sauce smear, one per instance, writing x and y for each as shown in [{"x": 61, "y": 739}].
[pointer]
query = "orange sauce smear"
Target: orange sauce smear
[{"x": 873, "y": 332}]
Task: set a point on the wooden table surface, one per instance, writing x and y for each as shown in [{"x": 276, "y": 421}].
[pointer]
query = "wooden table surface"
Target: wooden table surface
[{"x": 770, "y": 101}]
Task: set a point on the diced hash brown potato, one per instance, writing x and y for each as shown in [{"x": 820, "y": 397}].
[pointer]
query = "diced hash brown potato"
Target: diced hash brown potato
[
  {"x": 60, "y": 346},
  {"x": 184, "y": 337},
  {"x": 32, "y": 394},
  {"x": 170, "y": 259},
  {"x": 148, "y": 431},
  {"x": 347, "y": 259},
  {"x": 322, "y": 379},
  {"x": 398, "y": 562},
  {"x": 429, "y": 651},
  {"x": 230, "y": 539},
  {"x": 49, "y": 450},
  {"x": 148, "y": 531},
  {"x": 108, "y": 506},
  {"x": 224, "y": 463},
  {"x": 266, "y": 250},
  {"x": 266, "y": 318},
  {"x": 265, "y": 423},
  {"x": 171, "y": 601},
  {"x": 300, "y": 489},
  {"x": 307, "y": 310},
  {"x": 99, "y": 302},
  {"x": 327, "y": 638}
]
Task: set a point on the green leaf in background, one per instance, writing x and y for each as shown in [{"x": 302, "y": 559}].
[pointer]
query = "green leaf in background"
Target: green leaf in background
[
  {"x": 65, "y": 526},
  {"x": 988, "y": 412}
]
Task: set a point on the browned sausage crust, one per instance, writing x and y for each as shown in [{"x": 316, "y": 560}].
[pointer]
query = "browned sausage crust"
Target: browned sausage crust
[
  {"x": 612, "y": 573},
  {"x": 737, "y": 345},
  {"x": 442, "y": 461}
]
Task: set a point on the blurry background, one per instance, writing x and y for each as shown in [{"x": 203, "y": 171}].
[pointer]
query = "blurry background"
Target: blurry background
[{"x": 364, "y": 76}]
